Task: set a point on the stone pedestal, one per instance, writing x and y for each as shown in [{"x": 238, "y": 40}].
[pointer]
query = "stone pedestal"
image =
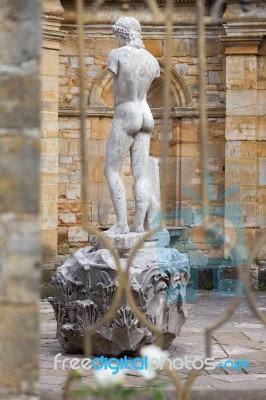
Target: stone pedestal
[{"x": 86, "y": 284}]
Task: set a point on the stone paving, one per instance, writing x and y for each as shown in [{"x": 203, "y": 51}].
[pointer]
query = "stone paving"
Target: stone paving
[{"x": 242, "y": 337}]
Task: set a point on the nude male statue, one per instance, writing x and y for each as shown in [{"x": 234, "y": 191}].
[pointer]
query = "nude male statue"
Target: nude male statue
[{"x": 133, "y": 70}]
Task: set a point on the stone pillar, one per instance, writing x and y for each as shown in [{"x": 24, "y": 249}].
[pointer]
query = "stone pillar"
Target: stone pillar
[
  {"x": 245, "y": 136},
  {"x": 52, "y": 36},
  {"x": 20, "y": 32}
]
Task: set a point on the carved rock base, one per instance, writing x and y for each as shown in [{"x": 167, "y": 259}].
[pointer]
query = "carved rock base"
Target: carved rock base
[{"x": 85, "y": 287}]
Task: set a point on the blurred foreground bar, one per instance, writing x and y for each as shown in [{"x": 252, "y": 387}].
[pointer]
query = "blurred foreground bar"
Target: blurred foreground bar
[{"x": 20, "y": 36}]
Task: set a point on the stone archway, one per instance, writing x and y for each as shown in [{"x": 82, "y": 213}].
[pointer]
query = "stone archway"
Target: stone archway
[{"x": 101, "y": 94}]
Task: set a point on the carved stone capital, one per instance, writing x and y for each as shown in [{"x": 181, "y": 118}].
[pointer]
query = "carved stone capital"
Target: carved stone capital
[
  {"x": 242, "y": 45},
  {"x": 52, "y": 19},
  {"x": 53, "y": 8}
]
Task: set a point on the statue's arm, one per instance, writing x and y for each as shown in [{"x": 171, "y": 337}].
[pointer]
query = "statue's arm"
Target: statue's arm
[{"x": 113, "y": 62}]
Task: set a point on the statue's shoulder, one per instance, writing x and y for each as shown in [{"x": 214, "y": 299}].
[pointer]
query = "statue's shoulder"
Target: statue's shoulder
[
  {"x": 114, "y": 53},
  {"x": 152, "y": 61}
]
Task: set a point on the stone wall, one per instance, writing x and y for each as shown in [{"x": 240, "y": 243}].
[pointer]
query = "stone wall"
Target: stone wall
[{"x": 20, "y": 31}]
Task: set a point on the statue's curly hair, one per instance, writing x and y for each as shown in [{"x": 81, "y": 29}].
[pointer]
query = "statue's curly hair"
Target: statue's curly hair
[{"x": 129, "y": 28}]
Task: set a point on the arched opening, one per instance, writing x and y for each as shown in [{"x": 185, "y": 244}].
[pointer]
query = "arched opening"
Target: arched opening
[{"x": 101, "y": 94}]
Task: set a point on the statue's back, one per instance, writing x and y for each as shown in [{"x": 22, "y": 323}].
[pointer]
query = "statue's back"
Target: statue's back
[{"x": 137, "y": 68}]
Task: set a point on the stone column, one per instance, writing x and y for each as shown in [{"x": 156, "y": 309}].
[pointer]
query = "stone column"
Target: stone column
[
  {"x": 245, "y": 135},
  {"x": 20, "y": 32},
  {"x": 52, "y": 36}
]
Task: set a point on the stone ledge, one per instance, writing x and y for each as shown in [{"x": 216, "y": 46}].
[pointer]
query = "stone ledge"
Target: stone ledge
[{"x": 179, "y": 112}]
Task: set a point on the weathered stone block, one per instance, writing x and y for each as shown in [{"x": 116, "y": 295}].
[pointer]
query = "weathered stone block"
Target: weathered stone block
[
  {"x": 49, "y": 192},
  {"x": 190, "y": 150},
  {"x": 261, "y": 128},
  {"x": 49, "y": 163},
  {"x": 63, "y": 249},
  {"x": 94, "y": 71},
  {"x": 241, "y": 72},
  {"x": 103, "y": 46},
  {"x": 49, "y": 245},
  {"x": 261, "y": 107},
  {"x": 49, "y": 122},
  {"x": 240, "y": 128},
  {"x": 77, "y": 234},
  {"x": 73, "y": 191},
  {"x": 89, "y": 60},
  {"x": 93, "y": 147},
  {"x": 19, "y": 367},
  {"x": 100, "y": 128},
  {"x": 261, "y": 217},
  {"x": 262, "y": 171},
  {"x": 73, "y": 147},
  {"x": 67, "y": 218},
  {"x": 48, "y": 92},
  {"x": 15, "y": 288},
  {"x": 103, "y": 190},
  {"x": 248, "y": 196},
  {"x": 49, "y": 214},
  {"x": 182, "y": 68},
  {"x": 62, "y": 234},
  {"x": 189, "y": 131},
  {"x": 92, "y": 191},
  {"x": 242, "y": 173},
  {"x": 188, "y": 168},
  {"x": 69, "y": 46},
  {"x": 154, "y": 46},
  {"x": 18, "y": 100},
  {"x": 20, "y": 48},
  {"x": 262, "y": 149},
  {"x": 49, "y": 62},
  {"x": 249, "y": 214},
  {"x": 49, "y": 146},
  {"x": 214, "y": 47},
  {"x": 17, "y": 176},
  {"x": 261, "y": 72},
  {"x": 180, "y": 47},
  {"x": 215, "y": 77},
  {"x": 240, "y": 149},
  {"x": 241, "y": 102},
  {"x": 193, "y": 70},
  {"x": 65, "y": 160}
]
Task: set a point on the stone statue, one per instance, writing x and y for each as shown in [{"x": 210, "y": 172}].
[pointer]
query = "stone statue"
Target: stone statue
[
  {"x": 133, "y": 70},
  {"x": 85, "y": 285}
]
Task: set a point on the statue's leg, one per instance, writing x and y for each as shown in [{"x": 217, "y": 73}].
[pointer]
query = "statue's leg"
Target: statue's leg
[
  {"x": 139, "y": 162},
  {"x": 118, "y": 145}
]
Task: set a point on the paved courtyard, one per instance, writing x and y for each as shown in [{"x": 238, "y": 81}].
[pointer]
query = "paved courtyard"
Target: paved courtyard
[{"x": 243, "y": 337}]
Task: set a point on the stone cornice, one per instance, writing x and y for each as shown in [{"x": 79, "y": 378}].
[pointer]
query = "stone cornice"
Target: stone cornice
[
  {"x": 241, "y": 45},
  {"x": 176, "y": 112},
  {"x": 52, "y": 20},
  {"x": 118, "y": 2},
  {"x": 248, "y": 28},
  {"x": 52, "y": 32},
  {"x": 147, "y": 31}
]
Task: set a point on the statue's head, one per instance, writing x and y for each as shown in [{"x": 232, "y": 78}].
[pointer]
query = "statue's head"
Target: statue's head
[{"x": 128, "y": 31}]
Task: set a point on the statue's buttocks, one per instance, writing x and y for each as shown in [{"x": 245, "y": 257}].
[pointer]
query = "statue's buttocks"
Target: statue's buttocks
[{"x": 133, "y": 69}]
